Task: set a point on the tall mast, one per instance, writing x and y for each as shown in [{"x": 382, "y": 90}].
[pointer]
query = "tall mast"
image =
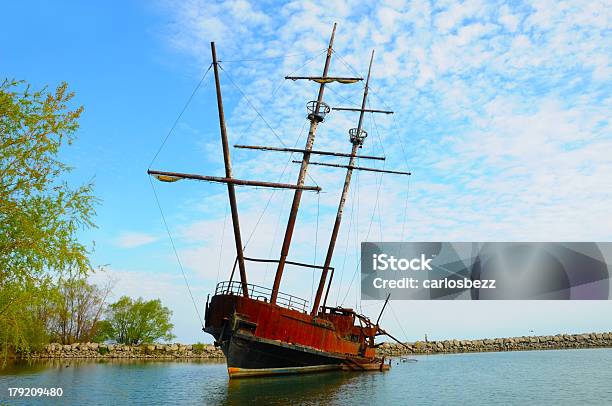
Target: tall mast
[
  {"x": 315, "y": 119},
  {"x": 357, "y": 137},
  {"x": 228, "y": 174}
]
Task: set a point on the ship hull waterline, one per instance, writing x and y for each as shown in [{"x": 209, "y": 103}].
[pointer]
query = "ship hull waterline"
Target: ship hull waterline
[{"x": 252, "y": 357}]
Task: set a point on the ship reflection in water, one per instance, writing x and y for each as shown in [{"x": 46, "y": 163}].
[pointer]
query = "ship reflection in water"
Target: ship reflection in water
[{"x": 303, "y": 388}]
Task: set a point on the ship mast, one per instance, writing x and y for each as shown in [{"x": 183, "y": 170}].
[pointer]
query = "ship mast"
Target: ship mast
[
  {"x": 315, "y": 118},
  {"x": 357, "y": 138},
  {"x": 231, "y": 191},
  {"x": 166, "y": 176}
]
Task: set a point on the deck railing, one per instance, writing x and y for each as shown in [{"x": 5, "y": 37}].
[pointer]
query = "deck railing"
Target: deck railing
[{"x": 262, "y": 294}]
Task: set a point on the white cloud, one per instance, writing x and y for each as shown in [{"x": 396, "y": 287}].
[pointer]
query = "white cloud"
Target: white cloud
[
  {"x": 455, "y": 14},
  {"x": 502, "y": 112},
  {"x": 509, "y": 20},
  {"x": 130, "y": 239}
]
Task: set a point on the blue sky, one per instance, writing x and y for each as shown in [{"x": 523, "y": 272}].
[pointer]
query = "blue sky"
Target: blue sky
[{"x": 502, "y": 114}]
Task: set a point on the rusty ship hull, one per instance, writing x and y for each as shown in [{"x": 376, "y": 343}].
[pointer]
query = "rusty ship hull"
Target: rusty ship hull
[{"x": 259, "y": 338}]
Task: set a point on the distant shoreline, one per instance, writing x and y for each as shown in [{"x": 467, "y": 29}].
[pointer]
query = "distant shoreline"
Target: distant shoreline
[{"x": 209, "y": 351}]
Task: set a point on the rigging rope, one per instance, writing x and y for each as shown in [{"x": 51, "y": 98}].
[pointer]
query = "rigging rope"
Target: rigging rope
[
  {"x": 348, "y": 237},
  {"x": 276, "y": 227},
  {"x": 281, "y": 84},
  {"x": 395, "y": 127},
  {"x": 195, "y": 90},
  {"x": 374, "y": 92},
  {"x": 376, "y": 205},
  {"x": 373, "y": 124},
  {"x": 290, "y": 156},
  {"x": 406, "y": 207},
  {"x": 401, "y": 142},
  {"x": 345, "y": 63},
  {"x": 382, "y": 147},
  {"x": 189, "y": 99},
  {"x": 252, "y": 106},
  {"x": 398, "y": 322},
  {"x": 283, "y": 201},
  {"x": 315, "y": 246},
  {"x": 261, "y": 116},
  {"x": 273, "y": 190},
  {"x": 367, "y": 235},
  {"x": 331, "y": 89},
  {"x": 195, "y": 306}
]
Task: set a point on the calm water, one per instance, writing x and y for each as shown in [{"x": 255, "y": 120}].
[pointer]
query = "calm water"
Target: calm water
[{"x": 537, "y": 377}]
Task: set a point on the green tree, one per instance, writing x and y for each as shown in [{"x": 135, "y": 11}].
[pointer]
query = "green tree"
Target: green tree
[
  {"x": 40, "y": 213},
  {"x": 76, "y": 312},
  {"x": 137, "y": 321}
]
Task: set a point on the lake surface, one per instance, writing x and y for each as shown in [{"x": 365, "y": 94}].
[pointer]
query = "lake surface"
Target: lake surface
[{"x": 536, "y": 377}]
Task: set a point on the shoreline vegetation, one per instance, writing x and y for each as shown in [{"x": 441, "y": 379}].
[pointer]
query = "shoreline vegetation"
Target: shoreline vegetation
[
  {"x": 209, "y": 351},
  {"x": 45, "y": 293}
]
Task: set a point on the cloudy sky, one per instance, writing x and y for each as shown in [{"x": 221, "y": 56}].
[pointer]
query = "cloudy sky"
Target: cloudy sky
[{"x": 501, "y": 113}]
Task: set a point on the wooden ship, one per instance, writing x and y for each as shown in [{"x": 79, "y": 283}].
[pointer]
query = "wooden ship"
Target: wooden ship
[{"x": 263, "y": 331}]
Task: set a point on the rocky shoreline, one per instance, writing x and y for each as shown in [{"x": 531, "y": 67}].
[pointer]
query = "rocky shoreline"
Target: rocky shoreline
[
  {"x": 524, "y": 343},
  {"x": 209, "y": 351},
  {"x": 144, "y": 351}
]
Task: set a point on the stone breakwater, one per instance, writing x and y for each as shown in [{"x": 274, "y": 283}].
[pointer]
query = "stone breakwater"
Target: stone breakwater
[
  {"x": 143, "y": 351},
  {"x": 209, "y": 351},
  {"x": 525, "y": 343}
]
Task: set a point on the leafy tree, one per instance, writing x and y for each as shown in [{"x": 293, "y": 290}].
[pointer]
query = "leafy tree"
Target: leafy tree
[
  {"x": 137, "y": 321},
  {"x": 25, "y": 311},
  {"x": 40, "y": 213},
  {"x": 77, "y": 310}
]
